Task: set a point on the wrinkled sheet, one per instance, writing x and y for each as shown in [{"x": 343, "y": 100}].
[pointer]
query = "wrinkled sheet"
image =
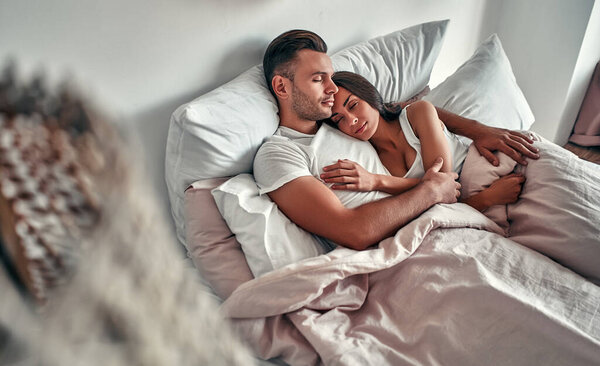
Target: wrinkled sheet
[
  {"x": 558, "y": 211},
  {"x": 447, "y": 289}
]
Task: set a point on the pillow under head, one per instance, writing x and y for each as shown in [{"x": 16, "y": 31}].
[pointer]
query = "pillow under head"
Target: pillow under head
[{"x": 218, "y": 134}]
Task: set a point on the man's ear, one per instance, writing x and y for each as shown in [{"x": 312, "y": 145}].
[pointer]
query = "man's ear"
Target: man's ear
[{"x": 281, "y": 86}]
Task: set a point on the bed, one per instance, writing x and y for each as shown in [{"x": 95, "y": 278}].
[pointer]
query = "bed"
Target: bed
[{"x": 516, "y": 286}]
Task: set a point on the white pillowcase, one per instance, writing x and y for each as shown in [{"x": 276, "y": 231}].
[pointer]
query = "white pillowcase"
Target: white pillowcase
[
  {"x": 218, "y": 134},
  {"x": 398, "y": 64},
  {"x": 484, "y": 88},
  {"x": 268, "y": 238}
]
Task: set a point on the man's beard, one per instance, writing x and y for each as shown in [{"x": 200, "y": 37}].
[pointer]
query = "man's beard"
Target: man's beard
[{"x": 305, "y": 108}]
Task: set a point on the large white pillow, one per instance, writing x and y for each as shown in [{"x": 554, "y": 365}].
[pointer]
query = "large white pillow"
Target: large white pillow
[
  {"x": 218, "y": 134},
  {"x": 398, "y": 64},
  {"x": 484, "y": 88},
  {"x": 268, "y": 238}
]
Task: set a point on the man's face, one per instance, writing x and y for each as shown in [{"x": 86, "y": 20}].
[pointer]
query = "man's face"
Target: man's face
[{"x": 312, "y": 88}]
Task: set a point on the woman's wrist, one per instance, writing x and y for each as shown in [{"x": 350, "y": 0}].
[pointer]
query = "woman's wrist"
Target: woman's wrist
[
  {"x": 479, "y": 201},
  {"x": 379, "y": 182}
]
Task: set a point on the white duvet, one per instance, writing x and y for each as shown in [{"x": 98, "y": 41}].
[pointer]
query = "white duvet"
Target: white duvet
[{"x": 448, "y": 288}]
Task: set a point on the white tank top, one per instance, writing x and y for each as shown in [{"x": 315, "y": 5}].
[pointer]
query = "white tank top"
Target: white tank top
[{"x": 458, "y": 148}]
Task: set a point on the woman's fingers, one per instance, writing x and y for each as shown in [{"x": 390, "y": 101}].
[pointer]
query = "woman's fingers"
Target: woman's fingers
[
  {"x": 522, "y": 147},
  {"x": 343, "y": 179},
  {"x": 345, "y": 187},
  {"x": 338, "y": 173},
  {"x": 521, "y": 135},
  {"x": 489, "y": 156},
  {"x": 341, "y": 164}
]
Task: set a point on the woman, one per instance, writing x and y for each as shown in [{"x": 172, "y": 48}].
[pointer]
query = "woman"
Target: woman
[{"x": 408, "y": 141}]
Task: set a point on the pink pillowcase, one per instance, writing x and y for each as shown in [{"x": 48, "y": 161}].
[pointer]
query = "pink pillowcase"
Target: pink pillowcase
[
  {"x": 477, "y": 174},
  {"x": 210, "y": 244}
]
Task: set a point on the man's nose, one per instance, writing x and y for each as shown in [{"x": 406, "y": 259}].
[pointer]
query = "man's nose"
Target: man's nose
[{"x": 331, "y": 88}]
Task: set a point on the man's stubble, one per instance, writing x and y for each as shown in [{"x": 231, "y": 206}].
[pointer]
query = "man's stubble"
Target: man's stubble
[{"x": 305, "y": 108}]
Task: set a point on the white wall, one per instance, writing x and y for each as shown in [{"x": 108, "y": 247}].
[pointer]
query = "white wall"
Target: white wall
[
  {"x": 140, "y": 59},
  {"x": 589, "y": 56},
  {"x": 542, "y": 39}
]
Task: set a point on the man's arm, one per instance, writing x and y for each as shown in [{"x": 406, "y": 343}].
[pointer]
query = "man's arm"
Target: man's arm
[
  {"x": 488, "y": 139},
  {"x": 314, "y": 207}
]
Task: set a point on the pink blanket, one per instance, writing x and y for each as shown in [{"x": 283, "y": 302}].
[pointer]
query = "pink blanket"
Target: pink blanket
[{"x": 446, "y": 289}]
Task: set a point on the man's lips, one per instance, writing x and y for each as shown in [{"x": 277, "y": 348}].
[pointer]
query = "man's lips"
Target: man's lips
[
  {"x": 361, "y": 129},
  {"x": 328, "y": 102}
]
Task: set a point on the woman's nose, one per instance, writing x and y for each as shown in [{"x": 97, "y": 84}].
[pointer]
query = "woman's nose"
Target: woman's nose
[{"x": 354, "y": 120}]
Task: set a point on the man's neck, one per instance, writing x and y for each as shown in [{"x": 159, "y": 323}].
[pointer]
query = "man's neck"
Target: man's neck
[{"x": 300, "y": 125}]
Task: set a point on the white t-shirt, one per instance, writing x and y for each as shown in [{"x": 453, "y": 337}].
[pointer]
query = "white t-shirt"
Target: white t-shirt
[{"x": 290, "y": 154}]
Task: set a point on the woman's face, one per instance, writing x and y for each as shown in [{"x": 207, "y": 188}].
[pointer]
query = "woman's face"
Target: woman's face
[{"x": 353, "y": 116}]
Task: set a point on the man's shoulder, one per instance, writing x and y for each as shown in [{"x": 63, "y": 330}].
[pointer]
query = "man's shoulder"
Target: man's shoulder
[
  {"x": 277, "y": 144},
  {"x": 280, "y": 144}
]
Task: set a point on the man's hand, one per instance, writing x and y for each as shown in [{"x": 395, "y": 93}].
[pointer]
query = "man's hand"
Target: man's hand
[
  {"x": 443, "y": 185},
  {"x": 514, "y": 144}
]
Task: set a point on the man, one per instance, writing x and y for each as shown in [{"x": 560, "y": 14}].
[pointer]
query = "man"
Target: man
[{"x": 298, "y": 73}]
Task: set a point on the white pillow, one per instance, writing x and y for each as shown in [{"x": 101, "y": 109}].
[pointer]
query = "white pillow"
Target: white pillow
[
  {"x": 398, "y": 64},
  {"x": 484, "y": 88},
  {"x": 218, "y": 134},
  {"x": 330, "y": 145},
  {"x": 268, "y": 238}
]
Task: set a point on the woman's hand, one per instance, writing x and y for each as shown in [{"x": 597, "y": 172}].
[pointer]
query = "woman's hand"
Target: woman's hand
[
  {"x": 488, "y": 139},
  {"x": 349, "y": 175},
  {"x": 515, "y": 144},
  {"x": 503, "y": 191}
]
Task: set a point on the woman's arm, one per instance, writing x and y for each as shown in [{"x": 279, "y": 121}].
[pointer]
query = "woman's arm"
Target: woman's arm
[
  {"x": 488, "y": 139},
  {"x": 424, "y": 120},
  {"x": 351, "y": 176},
  {"x": 503, "y": 191}
]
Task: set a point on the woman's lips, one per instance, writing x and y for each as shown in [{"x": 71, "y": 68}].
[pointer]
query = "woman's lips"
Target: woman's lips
[{"x": 361, "y": 129}]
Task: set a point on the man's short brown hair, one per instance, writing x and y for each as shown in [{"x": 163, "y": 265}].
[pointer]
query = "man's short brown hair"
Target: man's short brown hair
[{"x": 279, "y": 56}]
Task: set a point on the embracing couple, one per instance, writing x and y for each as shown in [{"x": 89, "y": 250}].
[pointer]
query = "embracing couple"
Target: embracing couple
[{"x": 414, "y": 142}]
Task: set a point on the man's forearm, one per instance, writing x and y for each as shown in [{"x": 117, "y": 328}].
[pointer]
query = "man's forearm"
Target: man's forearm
[
  {"x": 315, "y": 208},
  {"x": 385, "y": 217}
]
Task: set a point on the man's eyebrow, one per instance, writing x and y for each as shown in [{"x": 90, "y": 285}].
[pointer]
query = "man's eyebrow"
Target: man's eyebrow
[
  {"x": 319, "y": 73},
  {"x": 346, "y": 101}
]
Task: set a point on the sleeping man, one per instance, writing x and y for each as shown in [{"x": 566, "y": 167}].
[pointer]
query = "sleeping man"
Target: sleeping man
[{"x": 287, "y": 166}]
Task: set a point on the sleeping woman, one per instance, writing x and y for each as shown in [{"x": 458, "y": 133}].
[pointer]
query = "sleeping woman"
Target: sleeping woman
[{"x": 408, "y": 140}]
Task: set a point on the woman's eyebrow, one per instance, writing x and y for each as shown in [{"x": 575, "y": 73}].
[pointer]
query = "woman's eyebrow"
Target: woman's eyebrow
[{"x": 346, "y": 101}]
